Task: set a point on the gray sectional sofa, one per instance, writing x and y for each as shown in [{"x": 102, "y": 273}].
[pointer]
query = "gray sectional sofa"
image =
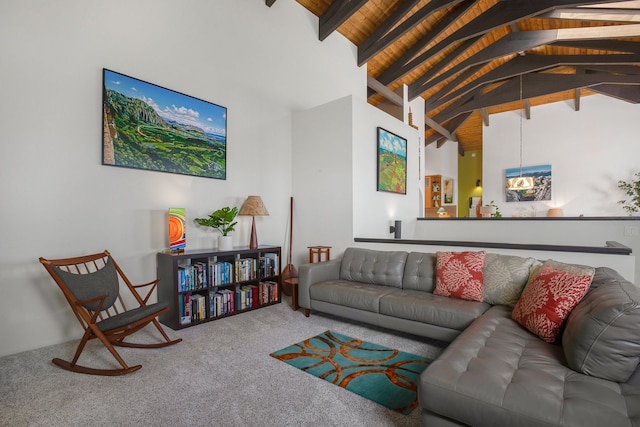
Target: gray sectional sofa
[{"x": 494, "y": 372}]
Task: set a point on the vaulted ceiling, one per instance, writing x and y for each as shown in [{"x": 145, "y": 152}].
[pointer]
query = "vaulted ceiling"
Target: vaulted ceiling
[{"x": 469, "y": 59}]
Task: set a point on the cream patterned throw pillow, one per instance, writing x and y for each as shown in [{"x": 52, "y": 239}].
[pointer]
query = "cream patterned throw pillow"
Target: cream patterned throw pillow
[{"x": 505, "y": 276}]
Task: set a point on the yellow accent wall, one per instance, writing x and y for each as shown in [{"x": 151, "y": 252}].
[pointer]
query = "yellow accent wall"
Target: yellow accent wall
[{"x": 469, "y": 172}]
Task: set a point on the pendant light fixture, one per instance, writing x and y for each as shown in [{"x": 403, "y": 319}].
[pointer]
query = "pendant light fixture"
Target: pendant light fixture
[{"x": 521, "y": 182}]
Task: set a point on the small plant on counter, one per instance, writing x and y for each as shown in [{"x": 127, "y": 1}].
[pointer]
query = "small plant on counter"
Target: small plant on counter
[
  {"x": 221, "y": 220},
  {"x": 497, "y": 214}
]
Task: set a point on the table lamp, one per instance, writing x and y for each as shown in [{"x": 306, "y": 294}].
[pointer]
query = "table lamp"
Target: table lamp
[{"x": 255, "y": 207}]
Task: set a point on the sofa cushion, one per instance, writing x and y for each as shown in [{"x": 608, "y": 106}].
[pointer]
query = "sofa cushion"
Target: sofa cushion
[
  {"x": 419, "y": 272},
  {"x": 505, "y": 276},
  {"x": 460, "y": 274},
  {"x": 550, "y": 295},
  {"x": 432, "y": 309},
  {"x": 362, "y": 296},
  {"x": 602, "y": 335},
  {"x": 373, "y": 267},
  {"x": 496, "y": 373}
]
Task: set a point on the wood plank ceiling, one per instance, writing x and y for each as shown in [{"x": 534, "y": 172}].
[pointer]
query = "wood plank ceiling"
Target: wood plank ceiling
[{"x": 472, "y": 58}]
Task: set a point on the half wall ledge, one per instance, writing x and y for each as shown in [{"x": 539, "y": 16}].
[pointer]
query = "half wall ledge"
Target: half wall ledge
[{"x": 610, "y": 248}]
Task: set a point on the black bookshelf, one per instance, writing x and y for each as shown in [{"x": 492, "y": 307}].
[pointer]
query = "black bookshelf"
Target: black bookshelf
[{"x": 204, "y": 285}]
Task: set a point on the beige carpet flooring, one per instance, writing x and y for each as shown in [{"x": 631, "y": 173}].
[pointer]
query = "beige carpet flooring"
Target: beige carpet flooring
[{"x": 220, "y": 375}]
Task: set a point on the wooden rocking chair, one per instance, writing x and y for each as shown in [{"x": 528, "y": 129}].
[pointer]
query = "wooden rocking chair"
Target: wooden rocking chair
[{"x": 91, "y": 285}]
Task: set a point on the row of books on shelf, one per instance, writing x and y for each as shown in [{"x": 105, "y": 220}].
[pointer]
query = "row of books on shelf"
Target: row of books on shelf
[
  {"x": 193, "y": 307},
  {"x": 270, "y": 265},
  {"x": 246, "y": 269},
  {"x": 201, "y": 274}
]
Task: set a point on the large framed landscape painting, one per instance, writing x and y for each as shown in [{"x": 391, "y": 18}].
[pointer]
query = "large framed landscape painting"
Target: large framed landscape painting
[
  {"x": 541, "y": 188},
  {"x": 392, "y": 162},
  {"x": 146, "y": 126}
]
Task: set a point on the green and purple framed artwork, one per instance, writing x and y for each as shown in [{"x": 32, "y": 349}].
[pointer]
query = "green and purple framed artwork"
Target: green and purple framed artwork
[
  {"x": 146, "y": 126},
  {"x": 392, "y": 162}
]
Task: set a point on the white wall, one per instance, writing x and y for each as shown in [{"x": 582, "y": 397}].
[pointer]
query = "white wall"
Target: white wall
[
  {"x": 374, "y": 211},
  {"x": 58, "y": 200},
  {"x": 335, "y": 158},
  {"x": 322, "y": 188},
  {"x": 588, "y": 150},
  {"x": 417, "y": 109}
]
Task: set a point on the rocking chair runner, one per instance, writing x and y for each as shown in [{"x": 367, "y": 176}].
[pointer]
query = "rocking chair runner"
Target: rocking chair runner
[{"x": 91, "y": 285}]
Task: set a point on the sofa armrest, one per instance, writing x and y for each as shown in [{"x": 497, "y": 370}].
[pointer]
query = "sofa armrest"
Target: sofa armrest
[{"x": 308, "y": 274}]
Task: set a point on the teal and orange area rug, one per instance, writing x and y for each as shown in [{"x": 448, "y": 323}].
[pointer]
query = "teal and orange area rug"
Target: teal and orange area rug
[{"x": 384, "y": 375}]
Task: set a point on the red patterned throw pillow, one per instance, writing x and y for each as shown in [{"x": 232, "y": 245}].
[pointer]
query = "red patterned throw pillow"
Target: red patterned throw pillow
[
  {"x": 460, "y": 274},
  {"x": 550, "y": 295}
]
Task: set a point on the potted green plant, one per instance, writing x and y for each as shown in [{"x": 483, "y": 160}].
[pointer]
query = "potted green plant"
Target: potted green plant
[
  {"x": 491, "y": 210},
  {"x": 223, "y": 221},
  {"x": 631, "y": 189}
]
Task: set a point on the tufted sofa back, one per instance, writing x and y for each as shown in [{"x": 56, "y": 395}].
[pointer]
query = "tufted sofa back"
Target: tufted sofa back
[
  {"x": 420, "y": 272},
  {"x": 373, "y": 267}
]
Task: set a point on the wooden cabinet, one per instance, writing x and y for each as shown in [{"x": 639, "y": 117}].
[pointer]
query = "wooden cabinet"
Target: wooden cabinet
[
  {"x": 432, "y": 191},
  {"x": 204, "y": 285}
]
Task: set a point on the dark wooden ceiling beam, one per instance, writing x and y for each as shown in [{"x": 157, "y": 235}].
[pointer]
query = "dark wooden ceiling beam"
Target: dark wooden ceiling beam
[
  {"x": 510, "y": 44},
  {"x": 336, "y": 14},
  {"x": 437, "y": 98},
  {"x": 269, "y": 2},
  {"x": 387, "y": 33},
  {"x": 615, "y": 69},
  {"x": 434, "y": 137},
  {"x": 528, "y": 64},
  {"x": 452, "y": 127},
  {"x": 576, "y": 101},
  {"x": 520, "y": 42},
  {"x": 502, "y": 13},
  {"x": 485, "y": 116},
  {"x": 534, "y": 85},
  {"x": 384, "y": 91},
  {"x": 527, "y": 109},
  {"x": 606, "y": 45},
  {"x": 622, "y": 92},
  {"x": 437, "y": 69},
  {"x": 408, "y": 60},
  {"x": 440, "y": 129}
]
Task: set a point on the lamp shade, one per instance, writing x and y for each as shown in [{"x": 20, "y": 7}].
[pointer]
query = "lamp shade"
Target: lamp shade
[
  {"x": 520, "y": 183},
  {"x": 253, "y": 206}
]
